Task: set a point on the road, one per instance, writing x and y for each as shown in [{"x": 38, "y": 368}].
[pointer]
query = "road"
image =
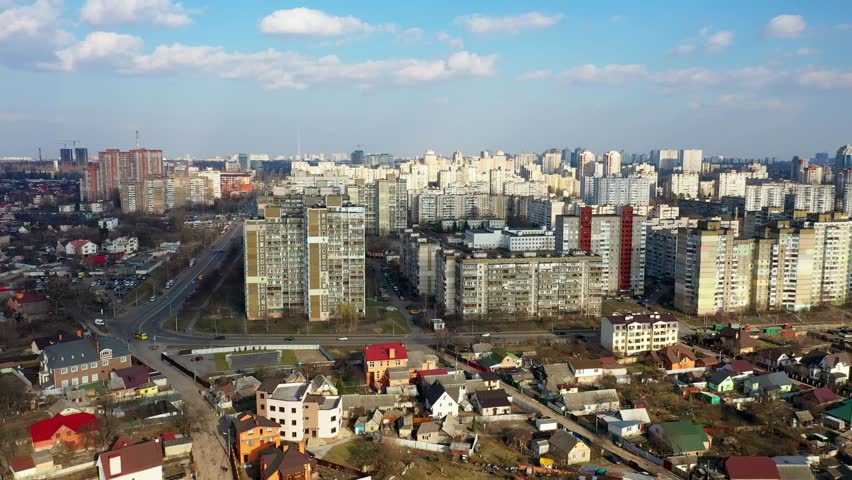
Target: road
[{"x": 602, "y": 442}]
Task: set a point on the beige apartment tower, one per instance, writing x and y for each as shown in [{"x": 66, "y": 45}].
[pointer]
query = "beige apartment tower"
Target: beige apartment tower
[{"x": 305, "y": 260}]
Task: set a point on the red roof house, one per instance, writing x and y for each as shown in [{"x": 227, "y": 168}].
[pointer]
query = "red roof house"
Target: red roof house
[
  {"x": 385, "y": 351},
  {"x": 435, "y": 371},
  {"x": 71, "y": 429},
  {"x": 752, "y": 468}
]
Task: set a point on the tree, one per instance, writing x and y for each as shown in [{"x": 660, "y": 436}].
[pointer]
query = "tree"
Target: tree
[
  {"x": 9, "y": 442},
  {"x": 12, "y": 391},
  {"x": 62, "y": 453},
  {"x": 188, "y": 420}
]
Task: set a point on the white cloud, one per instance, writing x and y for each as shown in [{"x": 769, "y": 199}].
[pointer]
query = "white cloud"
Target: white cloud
[
  {"x": 804, "y": 52},
  {"x": 616, "y": 18},
  {"x": 612, "y": 74},
  {"x": 757, "y": 76},
  {"x": 274, "y": 69},
  {"x": 720, "y": 41},
  {"x": 410, "y": 35},
  {"x": 785, "y": 26},
  {"x": 31, "y": 33},
  {"x": 97, "y": 47},
  {"x": 682, "y": 49},
  {"x": 687, "y": 77},
  {"x": 454, "y": 42},
  {"x": 308, "y": 22},
  {"x": 825, "y": 78},
  {"x": 477, "y": 23},
  {"x": 165, "y": 13},
  {"x": 535, "y": 75}
]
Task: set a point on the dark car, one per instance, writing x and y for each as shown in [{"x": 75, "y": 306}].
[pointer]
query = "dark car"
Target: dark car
[
  {"x": 288, "y": 339},
  {"x": 219, "y": 337}
]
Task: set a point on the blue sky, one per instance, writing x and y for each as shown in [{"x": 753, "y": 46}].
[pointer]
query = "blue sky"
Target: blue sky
[{"x": 758, "y": 78}]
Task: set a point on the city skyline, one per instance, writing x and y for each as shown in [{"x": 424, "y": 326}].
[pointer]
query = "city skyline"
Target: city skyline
[{"x": 758, "y": 80}]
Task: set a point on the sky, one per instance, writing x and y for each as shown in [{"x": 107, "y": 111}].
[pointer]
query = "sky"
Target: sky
[{"x": 204, "y": 78}]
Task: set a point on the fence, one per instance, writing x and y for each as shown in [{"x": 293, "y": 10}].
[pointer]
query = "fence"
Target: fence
[
  {"x": 341, "y": 469},
  {"x": 642, "y": 453},
  {"x": 432, "y": 447},
  {"x": 251, "y": 348},
  {"x": 19, "y": 374}
]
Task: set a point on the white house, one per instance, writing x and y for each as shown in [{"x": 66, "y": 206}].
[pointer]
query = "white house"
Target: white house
[
  {"x": 594, "y": 401},
  {"x": 125, "y": 245},
  {"x": 492, "y": 402},
  {"x": 143, "y": 461},
  {"x": 833, "y": 367},
  {"x": 640, "y": 333},
  {"x": 586, "y": 371},
  {"x": 302, "y": 409},
  {"x": 110, "y": 223},
  {"x": 442, "y": 401},
  {"x": 627, "y": 423},
  {"x": 76, "y": 248}
]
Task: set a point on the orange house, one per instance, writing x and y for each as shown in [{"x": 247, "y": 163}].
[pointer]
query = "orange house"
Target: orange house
[
  {"x": 254, "y": 434},
  {"x": 674, "y": 357},
  {"x": 380, "y": 358},
  {"x": 71, "y": 429},
  {"x": 288, "y": 462}
]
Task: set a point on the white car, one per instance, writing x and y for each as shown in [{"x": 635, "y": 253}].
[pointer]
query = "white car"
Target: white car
[
  {"x": 100, "y": 322},
  {"x": 343, "y": 339},
  {"x": 485, "y": 335},
  {"x": 153, "y": 299}
]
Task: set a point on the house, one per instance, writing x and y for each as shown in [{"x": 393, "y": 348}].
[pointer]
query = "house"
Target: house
[
  {"x": 302, "y": 409},
  {"x": 568, "y": 449},
  {"x": 133, "y": 377},
  {"x": 828, "y": 367},
  {"x": 778, "y": 357},
  {"x": 405, "y": 426},
  {"x": 254, "y": 434},
  {"x": 498, "y": 359},
  {"x": 722, "y": 381},
  {"x": 421, "y": 375},
  {"x": 125, "y": 245},
  {"x": 803, "y": 418},
  {"x": 82, "y": 361},
  {"x": 634, "y": 334},
  {"x": 442, "y": 401},
  {"x": 739, "y": 368},
  {"x": 595, "y": 401},
  {"x": 816, "y": 398},
  {"x": 673, "y": 357},
  {"x": 142, "y": 461},
  {"x": 489, "y": 379},
  {"x": 480, "y": 349},
  {"x": 773, "y": 383},
  {"x": 839, "y": 417},
  {"x": 76, "y": 248},
  {"x": 38, "y": 345},
  {"x": 679, "y": 438},
  {"x": 735, "y": 341},
  {"x": 793, "y": 467},
  {"x": 109, "y": 223},
  {"x": 23, "y": 467},
  {"x": 366, "y": 425},
  {"x": 29, "y": 306},
  {"x": 287, "y": 462},
  {"x": 586, "y": 371},
  {"x": 627, "y": 422},
  {"x": 379, "y": 358},
  {"x": 430, "y": 432},
  {"x": 492, "y": 402},
  {"x": 557, "y": 378},
  {"x": 751, "y": 468},
  {"x": 74, "y": 430}
]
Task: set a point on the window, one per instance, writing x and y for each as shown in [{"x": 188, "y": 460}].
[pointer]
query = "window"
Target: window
[
  {"x": 123, "y": 359},
  {"x": 271, "y": 408},
  {"x": 74, "y": 369},
  {"x": 84, "y": 366},
  {"x": 333, "y": 429},
  {"x": 94, "y": 377},
  {"x": 293, "y": 423},
  {"x": 64, "y": 371},
  {"x": 281, "y": 421},
  {"x": 294, "y": 434},
  {"x": 94, "y": 364},
  {"x": 263, "y": 407},
  {"x": 105, "y": 363},
  {"x": 334, "y": 418},
  {"x": 292, "y": 410}
]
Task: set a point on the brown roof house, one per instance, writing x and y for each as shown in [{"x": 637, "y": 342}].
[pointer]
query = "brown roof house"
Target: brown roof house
[
  {"x": 673, "y": 357},
  {"x": 287, "y": 462},
  {"x": 132, "y": 462}
]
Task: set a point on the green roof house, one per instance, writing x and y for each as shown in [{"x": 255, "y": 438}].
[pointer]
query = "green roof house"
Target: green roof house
[{"x": 679, "y": 438}]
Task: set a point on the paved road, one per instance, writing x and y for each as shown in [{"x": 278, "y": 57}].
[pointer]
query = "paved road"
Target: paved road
[{"x": 603, "y": 443}]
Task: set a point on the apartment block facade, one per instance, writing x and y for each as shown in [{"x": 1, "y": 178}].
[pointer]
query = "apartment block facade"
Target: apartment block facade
[
  {"x": 634, "y": 334},
  {"x": 526, "y": 284},
  {"x": 305, "y": 259},
  {"x": 417, "y": 261}
]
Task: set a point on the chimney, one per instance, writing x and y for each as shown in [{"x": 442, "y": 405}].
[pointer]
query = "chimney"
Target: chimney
[
  {"x": 59, "y": 337},
  {"x": 392, "y": 353},
  {"x": 302, "y": 447},
  {"x": 115, "y": 465},
  {"x": 80, "y": 332}
]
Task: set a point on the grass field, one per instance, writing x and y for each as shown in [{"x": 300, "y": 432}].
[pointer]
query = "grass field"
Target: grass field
[{"x": 288, "y": 357}]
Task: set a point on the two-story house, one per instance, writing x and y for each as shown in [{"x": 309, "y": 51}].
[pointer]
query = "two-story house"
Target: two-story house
[
  {"x": 74, "y": 430},
  {"x": 302, "y": 409},
  {"x": 828, "y": 367},
  {"x": 82, "y": 361},
  {"x": 254, "y": 434},
  {"x": 380, "y": 358}
]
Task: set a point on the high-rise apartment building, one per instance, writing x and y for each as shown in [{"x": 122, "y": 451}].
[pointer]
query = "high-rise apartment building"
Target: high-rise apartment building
[
  {"x": 116, "y": 166},
  {"x": 520, "y": 285},
  {"x": 665, "y": 160},
  {"x": 797, "y": 170},
  {"x": 690, "y": 160},
  {"x": 842, "y": 168},
  {"x": 783, "y": 276},
  {"x": 619, "y": 241},
  {"x": 813, "y": 198},
  {"x": 713, "y": 270},
  {"x": 417, "y": 261},
  {"x": 551, "y": 161},
  {"x": 619, "y": 191},
  {"x": 833, "y": 260},
  {"x": 684, "y": 185},
  {"x": 306, "y": 259},
  {"x": 612, "y": 163},
  {"x": 66, "y": 156},
  {"x": 390, "y": 207}
]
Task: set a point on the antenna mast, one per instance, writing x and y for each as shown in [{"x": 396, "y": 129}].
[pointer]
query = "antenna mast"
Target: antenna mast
[{"x": 137, "y": 140}]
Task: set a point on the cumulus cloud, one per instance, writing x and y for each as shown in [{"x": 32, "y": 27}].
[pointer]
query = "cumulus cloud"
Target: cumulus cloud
[
  {"x": 757, "y": 76},
  {"x": 31, "y": 33},
  {"x": 312, "y": 23},
  {"x": 477, "y": 23},
  {"x": 804, "y": 52},
  {"x": 535, "y": 75},
  {"x": 274, "y": 69},
  {"x": 612, "y": 74},
  {"x": 785, "y": 26},
  {"x": 97, "y": 48},
  {"x": 825, "y": 78},
  {"x": 409, "y": 36},
  {"x": 687, "y": 77},
  {"x": 454, "y": 42},
  {"x": 164, "y": 13},
  {"x": 682, "y": 49},
  {"x": 720, "y": 41}
]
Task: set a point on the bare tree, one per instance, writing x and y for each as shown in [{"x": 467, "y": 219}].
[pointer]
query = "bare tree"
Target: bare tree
[
  {"x": 9, "y": 442},
  {"x": 188, "y": 421},
  {"x": 12, "y": 392},
  {"x": 62, "y": 453}
]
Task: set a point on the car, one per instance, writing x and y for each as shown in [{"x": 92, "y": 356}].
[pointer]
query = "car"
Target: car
[
  {"x": 219, "y": 337},
  {"x": 343, "y": 339},
  {"x": 414, "y": 311},
  {"x": 485, "y": 335},
  {"x": 153, "y": 298},
  {"x": 199, "y": 358},
  {"x": 288, "y": 339},
  {"x": 100, "y": 322},
  {"x": 140, "y": 335}
]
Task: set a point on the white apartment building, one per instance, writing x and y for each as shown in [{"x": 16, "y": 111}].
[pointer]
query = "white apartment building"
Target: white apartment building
[
  {"x": 417, "y": 261},
  {"x": 511, "y": 239},
  {"x": 833, "y": 261},
  {"x": 542, "y": 212},
  {"x": 634, "y": 334},
  {"x": 125, "y": 245},
  {"x": 766, "y": 195},
  {"x": 690, "y": 160},
  {"x": 665, "y": 159},
  {"x": 612, "y": 163},
  {"x": 683, "y": 185},
  {"x": 733, "y": 184},
  {"x": 813, "y": 198},
  {"x": 622, "y": 191},
  {"x": 303, "y": 410}
]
